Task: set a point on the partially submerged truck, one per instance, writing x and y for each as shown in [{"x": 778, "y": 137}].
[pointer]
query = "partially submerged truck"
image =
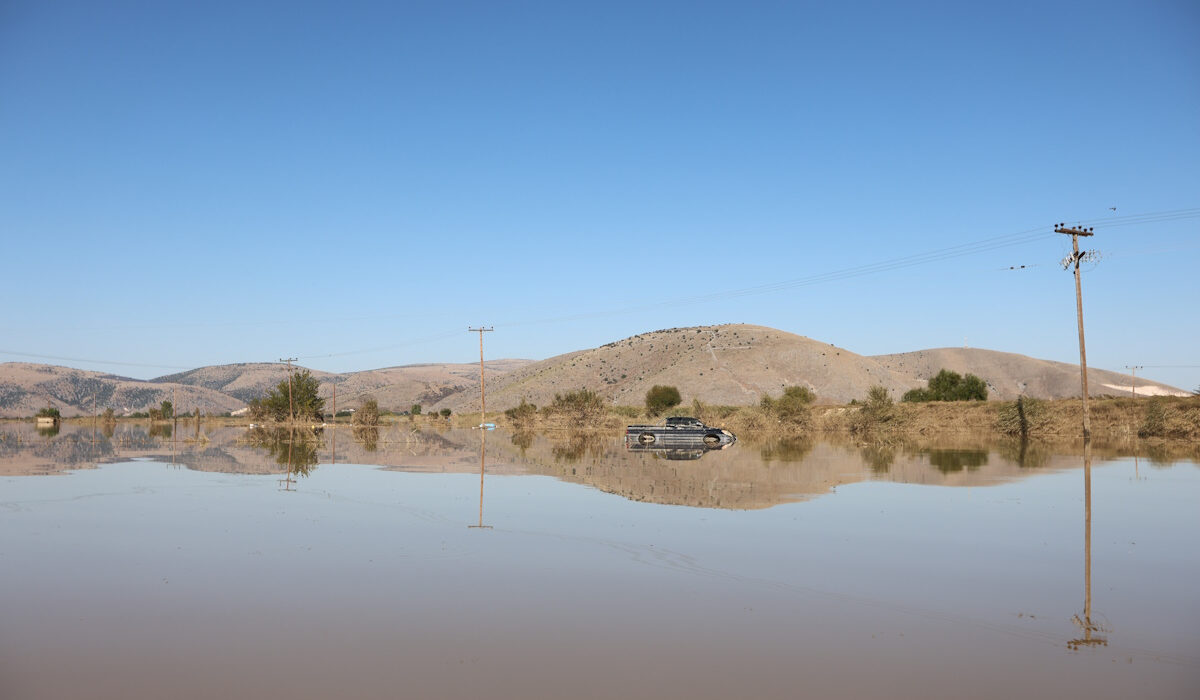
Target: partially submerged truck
[{"x": 678, "y": 431}]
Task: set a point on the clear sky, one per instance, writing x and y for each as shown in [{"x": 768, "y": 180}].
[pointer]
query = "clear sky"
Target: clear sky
[{"x": 355, "y": 183}]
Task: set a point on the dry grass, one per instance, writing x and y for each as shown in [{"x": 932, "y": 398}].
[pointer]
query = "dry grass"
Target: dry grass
[{"x": 1112, "y": 419}]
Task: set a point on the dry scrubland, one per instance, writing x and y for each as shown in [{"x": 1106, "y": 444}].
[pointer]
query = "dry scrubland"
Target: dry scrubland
[{"x": 1120, "y": 419}]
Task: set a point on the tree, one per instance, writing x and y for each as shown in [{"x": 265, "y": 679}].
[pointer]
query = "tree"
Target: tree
[
  {"x": 49, "y": 412},
  {"x": 949, "y": 386},
  {"x": 304, "y": 398},
  {"x": 445, "y": 413},
  {"x": 367, "y": 413},
  {"x": 166, "y": 410},
  {"x": 661, "y": 398},
  {"x": 416, "y": 409}
]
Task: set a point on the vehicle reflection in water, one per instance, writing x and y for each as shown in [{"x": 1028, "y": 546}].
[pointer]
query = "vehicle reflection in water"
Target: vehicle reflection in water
[
  {"x": 750, "y": 474},
  {"x": 679, "y": 449},
  {"x": 1092, "y": 631}
]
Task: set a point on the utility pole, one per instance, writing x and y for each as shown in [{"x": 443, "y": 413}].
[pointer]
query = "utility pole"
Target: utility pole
[
  {"x": 291, "y": 408},
  {"x": 1075, "y": 257},
  {"x": 482, "y": 406},
  {"x": 1134, "y": 369}
]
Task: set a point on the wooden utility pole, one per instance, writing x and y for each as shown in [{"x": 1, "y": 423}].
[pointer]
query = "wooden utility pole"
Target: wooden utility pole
[
  {"x": 482, "y": 406},
  {"x": 291, "y": 407},
  {"x": 1133, "y": 387},
  {"x": 1075, "y": 258}
]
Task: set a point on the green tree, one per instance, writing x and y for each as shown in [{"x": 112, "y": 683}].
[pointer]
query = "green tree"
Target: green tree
[
  {"x": 416, "y": 409},
  {"x": 49, "y": 412},
  {"x": 304, "y": 400},
  {"x": 949, "y": 386},
  {"x": 445, "y": 413},
  {"x": 661, "y": 398},
  {"x": 166, "y": 410}
]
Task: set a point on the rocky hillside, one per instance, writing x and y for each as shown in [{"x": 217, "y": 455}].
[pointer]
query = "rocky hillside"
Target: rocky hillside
[
  {"x": 737, "y": 364},
  {"x": 726, "y": 364},
  {"x": 396, "y": 388},
  {"x": 26, "y": 388},
  {"x": 1009, "y": 375}
]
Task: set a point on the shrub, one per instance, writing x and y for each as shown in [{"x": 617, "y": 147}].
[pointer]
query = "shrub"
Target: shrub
[
  {"x": 522, "y": 412},
  {"x": 415, "y": 410},
  {"x": 949, "y": 386},
  {"x": 792, "y": 407},
  {"x": 445, "y": 413},
  {"x": 49, "y": 412},
  {"x": 1155, "y": 423},
  {"x": 367, "y": 413},
  {"x": 581, "y": 406},
  {"x": 660, "y": 398},
  {"x": 1020, "y": 417}
]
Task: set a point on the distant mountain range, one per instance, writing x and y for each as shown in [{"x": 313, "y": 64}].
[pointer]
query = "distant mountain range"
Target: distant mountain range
[{"x": 726, "y": 364}]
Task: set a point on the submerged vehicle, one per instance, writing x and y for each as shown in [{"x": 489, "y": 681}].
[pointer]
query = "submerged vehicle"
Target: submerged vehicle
[{"x": 678, "y": 431}]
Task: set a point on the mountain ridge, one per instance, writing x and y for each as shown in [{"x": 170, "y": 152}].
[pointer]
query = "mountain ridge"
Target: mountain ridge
[{"x": 732, "y": 364}]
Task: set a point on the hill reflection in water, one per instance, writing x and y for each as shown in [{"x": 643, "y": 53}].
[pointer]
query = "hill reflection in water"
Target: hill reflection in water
[{"x": 751, "y": 474}]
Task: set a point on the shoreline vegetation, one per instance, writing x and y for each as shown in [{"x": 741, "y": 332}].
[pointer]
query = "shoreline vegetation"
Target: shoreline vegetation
[{"x": 1112, "y": 419}]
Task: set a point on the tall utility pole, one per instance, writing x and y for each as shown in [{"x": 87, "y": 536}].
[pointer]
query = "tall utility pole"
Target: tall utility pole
[
  {"x": 1134, "y": 369},
  {"x": 1075, "y": 257},
  {"x": 482, "y": 406},
  {"x": 291, "y": 407}
]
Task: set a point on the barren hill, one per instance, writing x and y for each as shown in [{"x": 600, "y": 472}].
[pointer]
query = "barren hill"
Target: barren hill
[
  {"x": 1009, "y": 375},
  {"x": 396, "y": 388},
  {"x": 726, "y": 364},
  {"x": 242, "y": 381},
  {"x": 26, "y": 388},
  {"x": 737, "y": 364}
]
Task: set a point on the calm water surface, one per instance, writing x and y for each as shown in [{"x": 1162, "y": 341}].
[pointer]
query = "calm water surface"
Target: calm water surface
[{"x": 154, "y": 566}]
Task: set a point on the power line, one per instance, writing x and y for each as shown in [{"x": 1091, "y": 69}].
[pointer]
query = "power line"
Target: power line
[
  {"x": 928, "y": 257},
  {"x": 88, "y": 361}
]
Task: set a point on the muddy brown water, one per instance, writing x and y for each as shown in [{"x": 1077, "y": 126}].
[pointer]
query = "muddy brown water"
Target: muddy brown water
[{"x": 386, "y": 565}]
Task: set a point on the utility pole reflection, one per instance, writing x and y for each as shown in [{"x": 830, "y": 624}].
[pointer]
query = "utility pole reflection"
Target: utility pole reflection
[
  {"x": 287, "y": 482},
  {"x": 482, "y": 453},
  {"x": 1091, "y": 631}
]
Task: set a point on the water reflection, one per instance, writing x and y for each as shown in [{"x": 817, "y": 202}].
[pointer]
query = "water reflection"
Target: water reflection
[
  {"x": 1092, "y": 631},
  {"x": 482, "y": 468},
  {"x": 746, "y": 475},
  {"x": 951, "y": 461},
  {"x": 367, "y": 437},
  {"x": 576, "y": 445},
  {"x": 296, "y": 450}
]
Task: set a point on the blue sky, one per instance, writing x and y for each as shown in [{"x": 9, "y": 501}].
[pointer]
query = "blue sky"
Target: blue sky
[{"x": 357, "y": 183}]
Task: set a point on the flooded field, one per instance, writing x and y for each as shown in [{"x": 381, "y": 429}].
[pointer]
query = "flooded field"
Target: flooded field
[{"x": 392, "y": 563}]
